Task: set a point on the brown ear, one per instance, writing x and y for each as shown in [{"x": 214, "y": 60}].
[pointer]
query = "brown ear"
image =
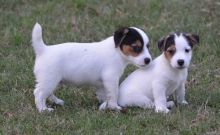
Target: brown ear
[
  {"x": 165, "y": 42},
  {"x": 119, "y": 35},
  {"x": 193, "y": 39},
  {"x": 161, "y": 43}
]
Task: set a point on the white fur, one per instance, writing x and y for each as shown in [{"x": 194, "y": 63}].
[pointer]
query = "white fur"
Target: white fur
[
  {"x": 99, "y": 64},
  {"x": 149, "y": 87},
  {"x": 181, "y": 45}
]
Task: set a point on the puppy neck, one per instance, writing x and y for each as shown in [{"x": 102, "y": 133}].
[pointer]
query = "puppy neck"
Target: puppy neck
[
  {"x": 115, "y": 51},
  {"x": 122, "y": 56}
]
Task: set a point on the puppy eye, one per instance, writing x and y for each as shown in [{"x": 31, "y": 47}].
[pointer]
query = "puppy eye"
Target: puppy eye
[
  {"x": 137, "y": 49},
  {"x": 171, "y": 51},
  {"x": 187, "y": 50}
]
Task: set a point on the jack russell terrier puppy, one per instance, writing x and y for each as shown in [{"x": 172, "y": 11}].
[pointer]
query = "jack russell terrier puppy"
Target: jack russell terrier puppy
[
  {"x": 100, "y": 64},
  {"x": 166, "y": 75}
]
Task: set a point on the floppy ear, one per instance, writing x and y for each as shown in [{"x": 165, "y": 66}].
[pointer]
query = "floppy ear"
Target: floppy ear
[
  {"x": 165, "y": 42},
  {"x": 119, "y": 35},
  {"x": 193, "y": 39},
  {"x": 161, "y": 44}
]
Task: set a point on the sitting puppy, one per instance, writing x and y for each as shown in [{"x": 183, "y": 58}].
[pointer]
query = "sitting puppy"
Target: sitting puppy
[
  {"x": 150, "y": 87},
  {"x": 100, "y": 64}
]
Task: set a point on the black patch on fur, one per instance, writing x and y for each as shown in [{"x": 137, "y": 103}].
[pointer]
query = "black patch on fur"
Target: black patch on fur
[
  {"x": 127, "y": 36},
  {"x": 166, "y": 42},
  {"x": 137, "y": 49},
  {"x": 192, "y": 39}
]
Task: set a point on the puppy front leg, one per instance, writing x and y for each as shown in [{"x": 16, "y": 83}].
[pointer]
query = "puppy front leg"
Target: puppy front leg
[
  {"x": 101, "y": 94},
  {"x": 111, "y": 91},
  {"x": 180, "y": 94},
  {"x": 159, "y": 93}
]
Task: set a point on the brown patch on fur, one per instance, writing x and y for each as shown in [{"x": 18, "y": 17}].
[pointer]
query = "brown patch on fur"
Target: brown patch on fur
[
  {"x": 170, "y": 52},
  {"x": 193, "y": 39},
  {"x": 128, "y": 50}
]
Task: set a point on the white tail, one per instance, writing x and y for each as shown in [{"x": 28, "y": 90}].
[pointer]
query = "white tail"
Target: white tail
[{"x": 37, "y": 41}]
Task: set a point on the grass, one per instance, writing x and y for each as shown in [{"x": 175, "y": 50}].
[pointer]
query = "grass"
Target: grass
[{"x": 94, "y": 20}]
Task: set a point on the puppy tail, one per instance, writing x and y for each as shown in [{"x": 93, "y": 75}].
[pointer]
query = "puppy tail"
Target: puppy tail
[{"x": 37, "y": 40}]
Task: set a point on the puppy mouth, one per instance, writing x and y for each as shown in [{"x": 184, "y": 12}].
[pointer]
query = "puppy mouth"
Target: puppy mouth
[
  {"x": 180, "y": 67},
  {"x": 142, "y": 65}
]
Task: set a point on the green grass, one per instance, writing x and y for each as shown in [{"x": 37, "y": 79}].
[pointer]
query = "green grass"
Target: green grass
[{"x": 94, "y": 20}]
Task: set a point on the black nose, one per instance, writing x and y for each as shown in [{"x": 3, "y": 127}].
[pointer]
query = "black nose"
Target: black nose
[
  {"x": 180, "y": 62},
  {"x": 146, "y": 60}
]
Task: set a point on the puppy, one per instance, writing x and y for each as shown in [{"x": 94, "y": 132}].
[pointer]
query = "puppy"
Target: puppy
[
  {"x": 100, "y": 64},
  {"x": 166, "y": 75}
]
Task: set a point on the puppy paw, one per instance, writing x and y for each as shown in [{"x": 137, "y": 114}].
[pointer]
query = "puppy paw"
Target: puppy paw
[
  {"x": 59, "y": 102},
  {"x": 46, "y": 110},
  {"x": 162, "y": 110},
  {"x": 115, "y": 108},
  {"x": 56, "y": 100},
  {"x": 170, "y": 104},
  {"x": 184, "y": 102},
  {"x": 103, "y": 106},
  {"x": 50, "y": 109},
  {"x": 111, "y": 106}
]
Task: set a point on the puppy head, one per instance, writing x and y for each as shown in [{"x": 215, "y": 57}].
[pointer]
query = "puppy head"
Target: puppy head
[
  {"x": 177, "y": 48},
  {"x": 133, "y": 43}
]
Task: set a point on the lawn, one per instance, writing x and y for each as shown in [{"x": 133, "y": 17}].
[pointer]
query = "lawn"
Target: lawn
[{"x": 94, "y": 20}]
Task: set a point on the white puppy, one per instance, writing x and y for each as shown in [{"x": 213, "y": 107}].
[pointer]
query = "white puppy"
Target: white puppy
[
  {"x": 150, "y": 87},
  {"x": 100, "y": 64}
]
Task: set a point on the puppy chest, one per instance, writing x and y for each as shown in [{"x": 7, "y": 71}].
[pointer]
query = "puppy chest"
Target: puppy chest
[{"x": 171, "y": 87}]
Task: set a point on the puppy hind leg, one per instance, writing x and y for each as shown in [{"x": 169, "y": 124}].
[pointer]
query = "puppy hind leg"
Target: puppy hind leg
[
  {"x": 43, "y": 90},
  {"x": 140, "y": 101},
  {"x": 40, "y": 101}
]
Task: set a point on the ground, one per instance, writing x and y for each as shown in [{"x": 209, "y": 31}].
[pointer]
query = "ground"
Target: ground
[{"x": 94, "y": 20}]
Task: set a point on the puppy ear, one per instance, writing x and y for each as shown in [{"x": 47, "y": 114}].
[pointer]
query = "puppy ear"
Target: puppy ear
[
  {"x": 161, "y": 43},
  {"x": 119, "y": 35},
  {"x": 165, "y": 42},
  {"x": 193, "y": 39}
]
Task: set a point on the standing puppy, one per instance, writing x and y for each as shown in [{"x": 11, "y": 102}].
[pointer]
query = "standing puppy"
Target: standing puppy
[
  {"x": 100, "y": 64},
  {"x": 150, "y": 87}
]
